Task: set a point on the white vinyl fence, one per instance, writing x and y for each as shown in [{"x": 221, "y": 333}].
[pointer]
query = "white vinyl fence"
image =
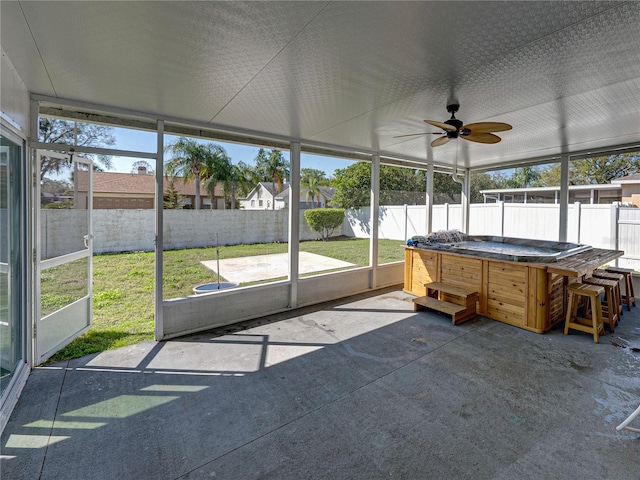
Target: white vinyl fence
[{"x": 602, "y": 226}]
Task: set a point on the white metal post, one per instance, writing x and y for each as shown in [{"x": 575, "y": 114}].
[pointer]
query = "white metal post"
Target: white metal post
[
  {"x": 429, "y": 199},
  {"x": 159, "y": 203},
  {"x": 375, "y": 207},
  {"x": 466, "y": 198},
  {"x": 33, "y": 234},
  {"x": 564, "y": 198},
  {"x": 294, "y": 224},
  {"x": 577, "y": 206}
]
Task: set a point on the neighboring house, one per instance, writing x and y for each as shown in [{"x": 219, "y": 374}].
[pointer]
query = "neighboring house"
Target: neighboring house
[
  {"x": 607, "y": 193},
  {"x": 630, "y": 186},
  {"x": 137, "y": 191},
  {"x": 263, "y": 196}
]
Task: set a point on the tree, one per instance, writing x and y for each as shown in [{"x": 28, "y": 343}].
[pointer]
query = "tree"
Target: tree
[
  {"x": 596, "y": 170},
  {"x": 524, "y": 177},
  {"x": 601, "y": 170},
  {"x": 55, "y": 187},
  {"x": 315, "y": 173},
  {"x": 353, "y": 186},
  {"x": 445, "y": 189},
  {"x": 272, "y": 167},
  {"x": 240, "y": 181},
  {"x": 216, "y": 168},
  {"x": 54, "y": 130},
  {"x": 171, "y": 198},
  {"x": 485, "y": 181},
  {"x": 188, "y": 159},
  {"x": 397, "y": 186},
  {"x": 311, "y": 180}
]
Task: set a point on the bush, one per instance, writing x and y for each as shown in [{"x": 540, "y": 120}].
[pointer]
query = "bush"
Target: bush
[{"x": 324, "y": 220}]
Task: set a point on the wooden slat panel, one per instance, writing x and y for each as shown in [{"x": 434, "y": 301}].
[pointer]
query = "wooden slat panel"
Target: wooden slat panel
[
  {"x": 505, "y": 313},
  {"x": 507, "y": 292},
  {"x": 532, "y": 295},
  {"x": 542, "y": 311},
  {"x": 484, "y": 288},
  {"x": 461, "y": 271},
  {"x": 509, "y": 300}
]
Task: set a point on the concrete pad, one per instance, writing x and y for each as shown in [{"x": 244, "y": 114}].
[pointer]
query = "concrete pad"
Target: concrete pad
[{"x": 264, "y": 267}]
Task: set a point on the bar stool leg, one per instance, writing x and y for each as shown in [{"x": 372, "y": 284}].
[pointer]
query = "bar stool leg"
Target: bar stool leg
[
  {"x": 572, "y": 311},
  {"x": 597, "y": 314},
  {"x": 612, "y": 309}
]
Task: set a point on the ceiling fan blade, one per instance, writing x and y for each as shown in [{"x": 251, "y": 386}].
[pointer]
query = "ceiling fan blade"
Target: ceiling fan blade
[
  {"x": 440, "y": 141},
  {"x": 444, "y": 126},
  {"x": 487, "y": 127},
  {"x": 412, "y": 135},
  {"x": 481, "y": 137}
]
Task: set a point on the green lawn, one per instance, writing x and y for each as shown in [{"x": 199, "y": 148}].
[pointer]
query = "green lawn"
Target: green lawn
[{"x": 123, "y": 285}]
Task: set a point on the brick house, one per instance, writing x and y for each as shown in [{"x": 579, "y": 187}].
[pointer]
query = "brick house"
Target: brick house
[{"x": 137, "y": 191}]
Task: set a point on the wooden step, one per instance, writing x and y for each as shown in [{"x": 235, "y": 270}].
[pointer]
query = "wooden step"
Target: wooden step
[
  {"x": 462, "y": 292},
  {"x": 458, "y": 313}
]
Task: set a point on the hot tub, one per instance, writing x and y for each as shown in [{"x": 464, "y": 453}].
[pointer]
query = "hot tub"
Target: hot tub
[
  {"x": 511, "y": 249},
  {"x": 519, "y": 281}
]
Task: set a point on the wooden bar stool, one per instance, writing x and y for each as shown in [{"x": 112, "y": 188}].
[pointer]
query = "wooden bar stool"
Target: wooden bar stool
[
  {"x": 618, "y": 277},
  {"x": 629, "y": 296},
  {"x": 610, "y": 308},
  {"x": 590, "y": 293}
]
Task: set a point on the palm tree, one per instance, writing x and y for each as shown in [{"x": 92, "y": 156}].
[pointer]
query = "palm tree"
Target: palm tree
[
  {"x": 311, "y": 180},
  {"x": 272, "y": 166},
  {"x": 311, "y": 187},
  {"x": 187, "y": 161},
  {"x": 215, "y": 169},
  {"x": 239, "y": 181}
]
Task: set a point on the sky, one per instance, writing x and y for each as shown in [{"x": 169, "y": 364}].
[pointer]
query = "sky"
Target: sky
[{"x": 135, "y": 140}]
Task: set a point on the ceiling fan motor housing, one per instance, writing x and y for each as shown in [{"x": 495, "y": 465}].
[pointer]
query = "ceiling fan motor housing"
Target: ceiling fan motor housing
[{"x": 453, "y": 121}]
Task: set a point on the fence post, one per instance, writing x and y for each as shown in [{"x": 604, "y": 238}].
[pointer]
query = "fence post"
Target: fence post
[
  {"x": 614, "y": 229},
  {"x": 501, "y": 202},
  {"x": 406, "y": 214},
  {"x": 446, "y": 216},
  {"x": 578, "y": 211}
]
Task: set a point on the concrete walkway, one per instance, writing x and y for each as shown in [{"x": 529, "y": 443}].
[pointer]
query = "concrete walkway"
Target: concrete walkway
[{"x": 359, "y": 389}]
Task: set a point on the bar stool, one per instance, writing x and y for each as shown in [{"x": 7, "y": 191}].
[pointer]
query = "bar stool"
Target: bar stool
[
  {"x": 618, "y": 277},
  {"x": 610, "y": 308},
  {"x": 629, "y": 297},
  {"x": 590, "y": 293}
]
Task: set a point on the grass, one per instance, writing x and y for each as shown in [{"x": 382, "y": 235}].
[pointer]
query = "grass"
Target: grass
[{"x": 123, "y": 285}]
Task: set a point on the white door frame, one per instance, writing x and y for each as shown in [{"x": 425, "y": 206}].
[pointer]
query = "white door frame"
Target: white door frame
[{"x": 57, "y": 329}]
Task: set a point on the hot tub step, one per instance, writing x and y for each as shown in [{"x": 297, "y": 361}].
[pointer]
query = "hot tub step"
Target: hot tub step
[
  {"x": 458, "y": 313},
  {"x": 462, "y": 292}
]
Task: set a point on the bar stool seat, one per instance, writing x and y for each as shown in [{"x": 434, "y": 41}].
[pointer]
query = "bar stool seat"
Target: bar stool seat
[
  {"x": 592, "y": 325},
  {"x": 618, "y": 277},
  {"x": 610, "y": 308},
  {"x": 629, "y": 296}
]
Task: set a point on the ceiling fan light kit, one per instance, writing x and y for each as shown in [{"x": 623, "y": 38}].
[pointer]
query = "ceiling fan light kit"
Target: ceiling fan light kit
[{"x": 480, "y": 132}]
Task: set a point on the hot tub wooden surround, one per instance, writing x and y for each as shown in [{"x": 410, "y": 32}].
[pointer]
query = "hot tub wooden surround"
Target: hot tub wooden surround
[{"x": 526, "y": 295}]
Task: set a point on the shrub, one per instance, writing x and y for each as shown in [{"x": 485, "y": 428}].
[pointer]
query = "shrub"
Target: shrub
[{"x": 324, "y": 220}]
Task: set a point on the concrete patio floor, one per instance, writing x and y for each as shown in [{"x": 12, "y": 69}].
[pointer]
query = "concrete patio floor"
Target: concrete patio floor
[
  {"x": 362, "y": 388},
  {"x": 263, "y": 267}
]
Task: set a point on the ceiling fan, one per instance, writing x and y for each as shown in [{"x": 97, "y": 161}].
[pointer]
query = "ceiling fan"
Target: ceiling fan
[{"x": 453, "y": 128}]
